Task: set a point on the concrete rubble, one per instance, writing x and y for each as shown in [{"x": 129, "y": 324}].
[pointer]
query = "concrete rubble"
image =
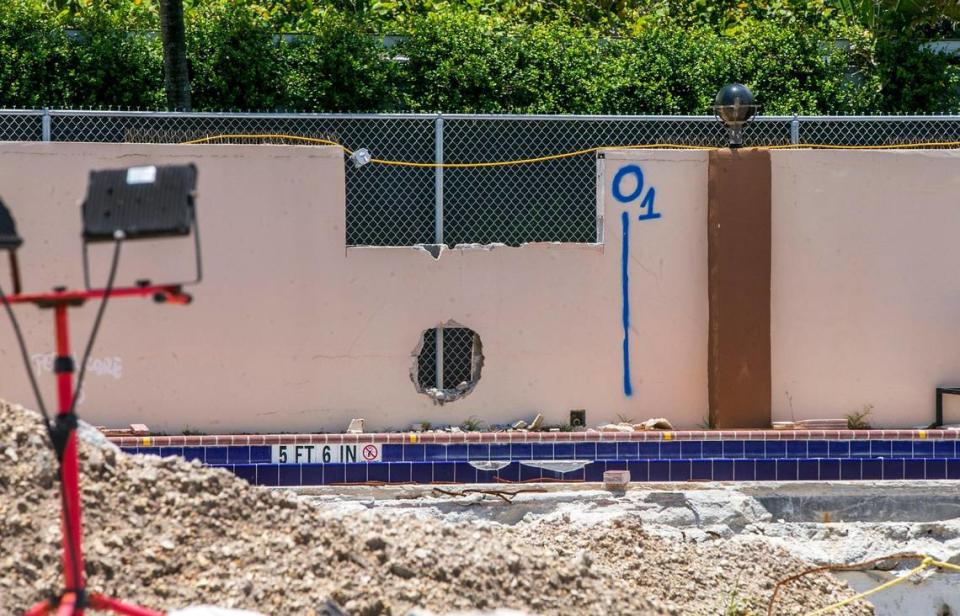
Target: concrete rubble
[{"x": 169, "y": 534}]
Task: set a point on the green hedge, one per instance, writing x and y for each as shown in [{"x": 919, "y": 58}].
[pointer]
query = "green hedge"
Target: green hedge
[{"x": 459, "y": 60}]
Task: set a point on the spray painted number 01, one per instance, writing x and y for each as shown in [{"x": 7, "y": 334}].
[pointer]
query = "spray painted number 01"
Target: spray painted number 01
[{"x": 621, "y": 182}]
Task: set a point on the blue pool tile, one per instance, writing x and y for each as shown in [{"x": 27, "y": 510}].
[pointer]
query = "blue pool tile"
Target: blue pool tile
[
  {"x": 542, "y": 451},
  {"x": 548, "y": 475},
  {"x": 691, "y": 449},
  {"x": 577, "y": 475},
  {"x": 838, "y": 449},
  {"x": 776, "y": 449},
  {"x": 585, "y": 451},
  {"x": 754, "y": 449},
  {"x": 786, "y": 470},
  {"x": 498, "y": 452},
  {"x": 133, "y": 450},
  {"x": 215, "y": 455},
  {"x": 944, "y": 449},
  {"x": 414, "y": 453},
  {"x": 435, "y": 453},
  {"x": 882, "y": 449},
  {"x": 422, "y": 472},
  {"x": 670, "y": 450},
  {"x": 647, "y": 449},
  {"x": 616, "y": 465},
  {"x": 511, "y": 472},
  {"x": 606, "y": 451},
  {"x": 680, "y": 470},
  {"x": 639, "y": 470},
  {"x": 521, "y": 451},
  {"x": 936, "y": 468},
  {"x": 892, "y": 469},
  {"x": 914, "y": 469},
  {"x": 659, "y": 470},
  {"x": 701, "y": 470},
  {"x": 355, "y": 473},
  {"x": 155, "y": 451},
  {"x": 246, "y": 471},
  {"x": 289, "y": 475},
  {"x": 529, "y": 473},
  {"x": 483, "y": 452},
  {"x": 238, "y": 454},
  {"x": 391, "y": 453},
  {"x": 922, "y": 449},
  {"x": 903, "y": 449},
  {"x": 818, "y": 449},
  {"x": 401, "y": 472},
  {"x": 829, "y": 470},
  {"x": 745, "y": 470},
  {"x": 268, "y": 475},
  {"x": 627, "y": 450},
  {"x": 766, "y": 470},
  {"x": 850, "y": 469},
  {"x": 313, "y": 474},
  {"x": 808, "y": 470},
  {"x": 444, "y": 472},
  {"x": 334, "y": 473},
  {"x": 464, "y": 473},
  {"x": 376, "y": 471},
  {"x": 196, "y": 453},
  {"x": 260, "y": 454},
  {"x": 166, "y": 452},
  {"x": 723, "y": 470},
  {"x": 860, "y": 449},
  {"x": 732, "y": 449},
  {"x": 563, "y": 451},
  {"x": 953, "y": 469},
  {"x": 457, "y": 452},
  {"x": 712, "y": 449},
  {"x": 796, "y": 449},
  {"x": 594, "y": 471},
  {"x": 872, "y": 469}
]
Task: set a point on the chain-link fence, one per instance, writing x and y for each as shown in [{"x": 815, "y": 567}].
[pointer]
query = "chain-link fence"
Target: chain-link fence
[
  {"x": 448, "y": 359},
  {"x": 552, "y": 201}
]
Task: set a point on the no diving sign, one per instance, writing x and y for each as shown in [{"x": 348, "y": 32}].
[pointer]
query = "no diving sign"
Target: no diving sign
[{"x": 324, "y": 454}]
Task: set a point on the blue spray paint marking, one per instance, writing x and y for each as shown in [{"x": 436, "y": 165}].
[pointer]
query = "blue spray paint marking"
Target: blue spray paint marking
[
  {"x": 625, "y": 281},
  {"x": 647, "y": 204},
  {"x": 622, "y": 173}
]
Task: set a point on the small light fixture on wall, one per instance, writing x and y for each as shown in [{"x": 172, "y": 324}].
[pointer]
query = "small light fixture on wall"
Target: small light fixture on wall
[
  {"x": 734, "y": 107},
  {"x": 10, "y": 241}
]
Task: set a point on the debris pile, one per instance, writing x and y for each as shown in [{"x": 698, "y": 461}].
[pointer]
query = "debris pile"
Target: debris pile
[{"x": 167, "y": 533}]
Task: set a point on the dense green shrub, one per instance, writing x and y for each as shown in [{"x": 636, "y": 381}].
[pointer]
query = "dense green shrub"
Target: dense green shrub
[{"x": 33, "y": 52}]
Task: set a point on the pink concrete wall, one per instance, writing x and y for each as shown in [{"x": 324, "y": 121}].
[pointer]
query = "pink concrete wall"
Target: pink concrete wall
[
  {"x": 866, "y": 283},
  {"x": 291, "y": 330}
]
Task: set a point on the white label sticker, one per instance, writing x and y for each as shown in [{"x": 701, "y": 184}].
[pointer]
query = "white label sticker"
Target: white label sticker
[
  {"x": 324, "y": 454},
  {"x": 142, "y": 175}
]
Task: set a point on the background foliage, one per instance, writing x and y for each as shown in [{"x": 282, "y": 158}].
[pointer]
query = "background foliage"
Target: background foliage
[{"x": 537, "y": 56}]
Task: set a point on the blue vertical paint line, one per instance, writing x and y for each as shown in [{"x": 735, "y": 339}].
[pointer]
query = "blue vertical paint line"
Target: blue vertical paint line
[{"x": 625, "y": 282}]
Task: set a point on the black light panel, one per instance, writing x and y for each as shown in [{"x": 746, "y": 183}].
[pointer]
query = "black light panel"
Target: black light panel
[
  {"x": 143, "y": 202},
  {"x": 9, "y": 239}
]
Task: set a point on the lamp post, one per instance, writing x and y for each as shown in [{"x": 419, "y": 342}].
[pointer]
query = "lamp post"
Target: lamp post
[{"x": 734, "y": 107}]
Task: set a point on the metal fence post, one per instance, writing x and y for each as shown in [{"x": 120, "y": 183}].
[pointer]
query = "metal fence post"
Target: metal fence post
[
  {"x": 440, "y": 357},
  {"x": 45, "y": 124},
  {"x": 438, "y": 180},
  {"x": 795, "y": 130}
]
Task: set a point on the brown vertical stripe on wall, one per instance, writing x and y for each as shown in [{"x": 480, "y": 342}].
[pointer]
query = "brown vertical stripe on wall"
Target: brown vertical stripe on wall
[{"x": 738, "y": 215}]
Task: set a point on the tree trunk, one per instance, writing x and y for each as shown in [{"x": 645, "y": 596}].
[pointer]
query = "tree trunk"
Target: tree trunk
[{"x": 176, "y": 80}]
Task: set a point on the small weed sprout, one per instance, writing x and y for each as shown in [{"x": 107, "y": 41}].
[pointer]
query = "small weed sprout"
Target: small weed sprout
[
  {"x": 625, "y": 419},
  {"x": 860, "y": 420},
  {"x": 473, "y": 424}
]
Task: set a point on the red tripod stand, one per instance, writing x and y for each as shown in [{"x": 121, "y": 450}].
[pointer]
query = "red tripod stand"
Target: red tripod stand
[{"x": 75, "y": 598}]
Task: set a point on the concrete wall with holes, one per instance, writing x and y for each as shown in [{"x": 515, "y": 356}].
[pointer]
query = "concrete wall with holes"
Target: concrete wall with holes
[{"x": 291, "y": 330}]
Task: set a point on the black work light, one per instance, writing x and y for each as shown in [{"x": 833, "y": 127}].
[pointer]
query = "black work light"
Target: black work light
[{"x": 10, "y": 241}]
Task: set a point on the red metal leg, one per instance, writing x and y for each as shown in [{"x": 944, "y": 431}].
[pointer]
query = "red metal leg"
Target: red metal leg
[
  {"x": 70, "y": 518},
  {"x": 40, "y": 609},
  {"x": 67, "y": 603},
  {"x": 99, "y": 602}
]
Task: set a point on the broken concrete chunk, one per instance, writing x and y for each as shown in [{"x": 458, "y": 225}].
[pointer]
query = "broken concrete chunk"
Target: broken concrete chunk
[
  {"x": 616, "y": 480},
  {"x": 537, "y": 422},
  {"x": 520, "y": 425},
  {"x": 658, "y": 423},
  {"x": 615, "y": 428},
  {"x": 355, "y": 427}
]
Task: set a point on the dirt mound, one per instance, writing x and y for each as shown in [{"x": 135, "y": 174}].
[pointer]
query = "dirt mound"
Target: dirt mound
[{"x": 167, "y": 533}]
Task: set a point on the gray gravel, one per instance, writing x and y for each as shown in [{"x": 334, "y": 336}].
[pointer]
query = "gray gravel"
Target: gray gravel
[{"x": 167, "y": 533}]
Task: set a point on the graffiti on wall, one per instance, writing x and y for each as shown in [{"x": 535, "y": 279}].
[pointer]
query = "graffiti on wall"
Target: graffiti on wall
[{"x": 627, "y": 188}]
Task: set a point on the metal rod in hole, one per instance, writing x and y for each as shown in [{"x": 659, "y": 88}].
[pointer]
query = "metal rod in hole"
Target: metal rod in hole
[
  {"x": 440, "y": 357},
  {"x": 438, "y": 180}
]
